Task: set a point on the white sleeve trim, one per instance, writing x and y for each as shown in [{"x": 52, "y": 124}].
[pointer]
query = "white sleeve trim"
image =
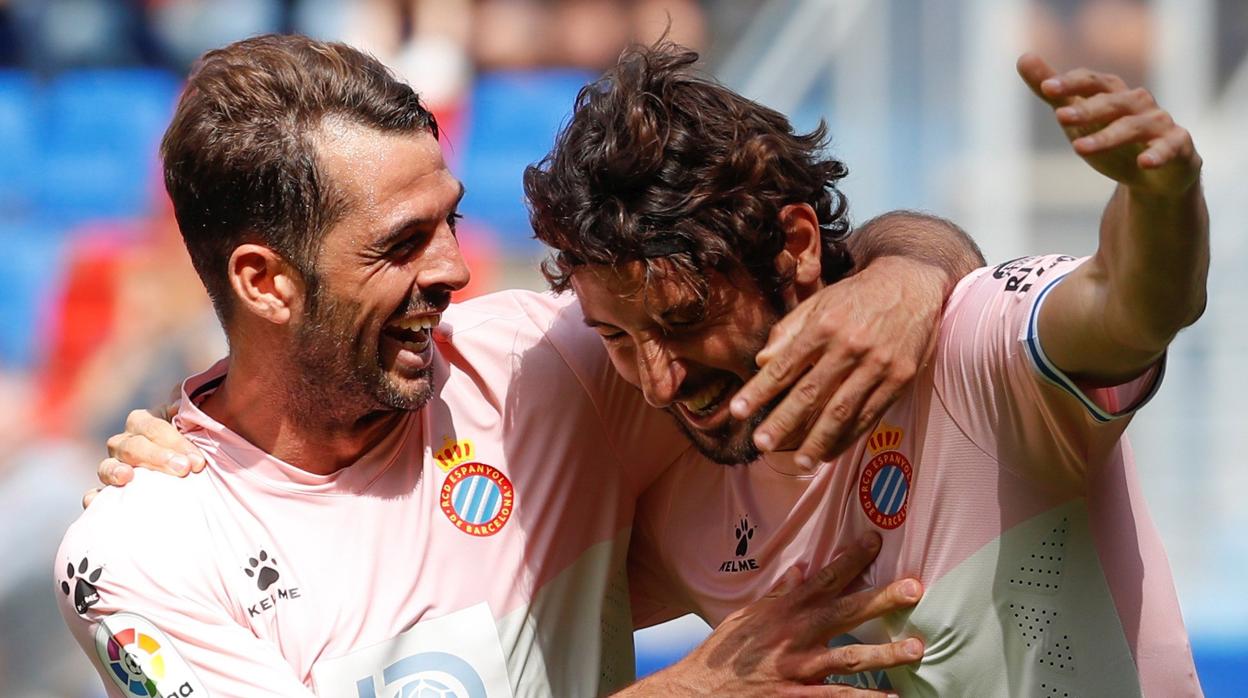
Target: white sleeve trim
[{"x": 1056, "y": 376}]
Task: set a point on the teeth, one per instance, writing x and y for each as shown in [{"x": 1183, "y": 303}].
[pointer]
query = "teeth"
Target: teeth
[
  {"x": 704, "y": 398},
  {"x": 424, "y": 322}
]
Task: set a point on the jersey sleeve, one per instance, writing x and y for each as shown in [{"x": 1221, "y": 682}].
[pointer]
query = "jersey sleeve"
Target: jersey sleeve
[
  {"x": 142, "y": 607},
  {"x": 999, "y": 386}
]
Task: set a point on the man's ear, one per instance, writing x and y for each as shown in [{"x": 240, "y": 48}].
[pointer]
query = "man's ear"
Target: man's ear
[
  {"x": 801, "y": 258},
  {"x": 264, "y": 283}
]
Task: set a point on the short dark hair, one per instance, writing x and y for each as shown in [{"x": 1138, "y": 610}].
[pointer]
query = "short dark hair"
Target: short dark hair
[
  {"x": 239, "y": 160},
  {"x": 664, "y": 165}
]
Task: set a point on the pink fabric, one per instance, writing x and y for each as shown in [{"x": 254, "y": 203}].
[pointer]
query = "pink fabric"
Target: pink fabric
[
  {"x": 261, "y": 576},
  {"x": 993, "y": 440}
]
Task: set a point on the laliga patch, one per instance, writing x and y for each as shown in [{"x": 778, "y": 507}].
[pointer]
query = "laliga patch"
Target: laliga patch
[
  {"x": 141, "y": 660},
  {"x": 477, "y": 498},
  {"x": 884, "y": 485}
]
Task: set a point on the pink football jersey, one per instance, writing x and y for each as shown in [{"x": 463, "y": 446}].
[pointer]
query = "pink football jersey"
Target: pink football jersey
[
  {"x": 479, "y": 550},
  {"x": 1003, "y": 485}
]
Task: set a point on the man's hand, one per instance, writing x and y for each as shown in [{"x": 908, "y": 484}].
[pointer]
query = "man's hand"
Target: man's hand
[
  {"x": 1119, "y": 131},
  {"x": 778, "y": 644},
  {"x": 846, "y": 352},
  {"x": 151, "y": 442}
]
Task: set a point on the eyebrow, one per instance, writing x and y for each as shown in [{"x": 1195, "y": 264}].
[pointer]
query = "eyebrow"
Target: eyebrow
[
  {"x": 399, "y": 230},
  {"x": 695, "y": 308}
]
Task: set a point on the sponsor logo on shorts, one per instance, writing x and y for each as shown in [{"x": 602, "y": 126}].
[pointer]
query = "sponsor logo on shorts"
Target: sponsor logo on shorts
[
  {"x": 477, "y": 498},
  {"x": 79, "y": 584},
  {"x": 141, "y": 660},
  {"x": 884, "y": 485}
]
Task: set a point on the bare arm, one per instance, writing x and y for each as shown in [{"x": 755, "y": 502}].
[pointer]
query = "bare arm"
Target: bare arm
[
  {"x": 845, "y": 353},
  {"x": 1111, "y": 318}
]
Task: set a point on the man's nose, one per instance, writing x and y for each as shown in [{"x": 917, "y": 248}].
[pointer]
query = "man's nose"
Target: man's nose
[
  {"x": 447, "y": 270},
  {"x": 661, "y": 373}
]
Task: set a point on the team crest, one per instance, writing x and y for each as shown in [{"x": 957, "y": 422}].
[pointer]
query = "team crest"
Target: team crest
[
  {"x": 477, "y": 498},
  {"x": 884, "y": 486}
]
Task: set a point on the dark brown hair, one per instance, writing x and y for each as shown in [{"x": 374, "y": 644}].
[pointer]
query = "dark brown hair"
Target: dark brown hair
[
  {"x": 239, "y": 159},
  {"x": 664, "y": 165}
]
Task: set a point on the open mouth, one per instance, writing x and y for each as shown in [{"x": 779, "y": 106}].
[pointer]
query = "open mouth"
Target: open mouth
[
  {"x": 412, "y": 339},
  {"x": 708, "y": 407}
]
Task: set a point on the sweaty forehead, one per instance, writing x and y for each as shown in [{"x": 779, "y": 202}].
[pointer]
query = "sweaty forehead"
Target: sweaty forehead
[
  {"x": 631, "y": 295},
  {"x": 376, "y": 170}
]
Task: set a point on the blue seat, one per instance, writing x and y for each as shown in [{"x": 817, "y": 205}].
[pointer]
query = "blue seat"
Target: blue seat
[
  {"x": 100, "y": 141},
  {"x": 513, "y": 119},
  {"x": 19, "y": 114},
  {"x": 31, "y": 269}
]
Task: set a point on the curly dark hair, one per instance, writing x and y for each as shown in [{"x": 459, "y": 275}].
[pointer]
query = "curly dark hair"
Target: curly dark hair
[{"x": 662, "y": 164}]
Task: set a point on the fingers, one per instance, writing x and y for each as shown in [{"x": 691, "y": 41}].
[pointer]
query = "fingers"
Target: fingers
[
  {"x": 1174, "y": 145},
  {"x": 176, "y": 454},
  {"x": 836, "y": 691},
  {"x": 90, "y": 497},
  {"x": 1064, "y": 89},
  {"x": 789, "y": 581},
  {"x": 1034, "y": 71},
  {"x": 1137, "y": 129},
  {"x": 845, "y": 416},
  {"x": 852, "y": 659},
  {"x": 785, "y": 357},
  {"x": 844, "y": 568},
  {"x": 1104, "y": 108},
  {"x": 800, "y": 410},
  {"x": 113, "y": 472},
  {"x": 135, "y": 450},
  {"x": 851, "y": 610}
]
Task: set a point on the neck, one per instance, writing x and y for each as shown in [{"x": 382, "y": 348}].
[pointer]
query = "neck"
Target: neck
[{"x": 255, "y": 402}]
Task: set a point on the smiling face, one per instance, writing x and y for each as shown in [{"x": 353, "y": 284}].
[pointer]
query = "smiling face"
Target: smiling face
[
  {"x": 688, "y": 354},
  {"x": 384, "y": 272}
]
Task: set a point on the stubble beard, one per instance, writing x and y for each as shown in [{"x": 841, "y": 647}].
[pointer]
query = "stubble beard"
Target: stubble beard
[{"x": 339, "y": 377}]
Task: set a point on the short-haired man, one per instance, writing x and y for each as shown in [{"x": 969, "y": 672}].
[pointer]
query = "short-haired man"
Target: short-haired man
[
  {"x": 384, "y": 510},
  {"x": 687, "y": 219}
]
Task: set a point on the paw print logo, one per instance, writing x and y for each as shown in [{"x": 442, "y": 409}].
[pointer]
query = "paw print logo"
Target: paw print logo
[
  {"x": 83, "y": 584},
  {"x": 263, "y": 569},
  {"x": 744, "y": 533}
]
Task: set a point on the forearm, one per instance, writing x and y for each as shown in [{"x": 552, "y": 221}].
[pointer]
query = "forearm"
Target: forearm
[
  {"x": 1155, "y": 255},
  {"x": 1144, "y": 284},
  {"x": 918, "y": 237},
  {"x": 666, "y": 683}
]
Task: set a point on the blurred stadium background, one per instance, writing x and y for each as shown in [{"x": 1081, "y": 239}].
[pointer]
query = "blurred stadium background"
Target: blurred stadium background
[{"x": 100, "y": 310}]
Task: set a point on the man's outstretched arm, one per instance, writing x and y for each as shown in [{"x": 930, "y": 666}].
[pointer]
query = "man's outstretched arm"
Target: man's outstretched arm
[
  {"x": 845, "y": 353},
  {"x": 1112, "y": 318}
]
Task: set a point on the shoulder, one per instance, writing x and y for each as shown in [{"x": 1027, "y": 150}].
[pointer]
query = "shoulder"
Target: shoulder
[
  {"x": 513, "y": 309},
  {"x": 152, "y": 523},
  {"x": 1018, "y": 281},
  {"x": 514, "y": 325}
]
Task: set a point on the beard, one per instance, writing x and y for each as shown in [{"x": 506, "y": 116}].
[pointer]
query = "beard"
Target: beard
[
  {"x": 730, "y": 444},
  {"x": 342, "y": 376},
  {"x": 733, "y": 442}
]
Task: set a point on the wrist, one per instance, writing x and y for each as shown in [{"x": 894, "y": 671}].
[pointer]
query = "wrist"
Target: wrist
[{"x": 918, "y": 273}]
